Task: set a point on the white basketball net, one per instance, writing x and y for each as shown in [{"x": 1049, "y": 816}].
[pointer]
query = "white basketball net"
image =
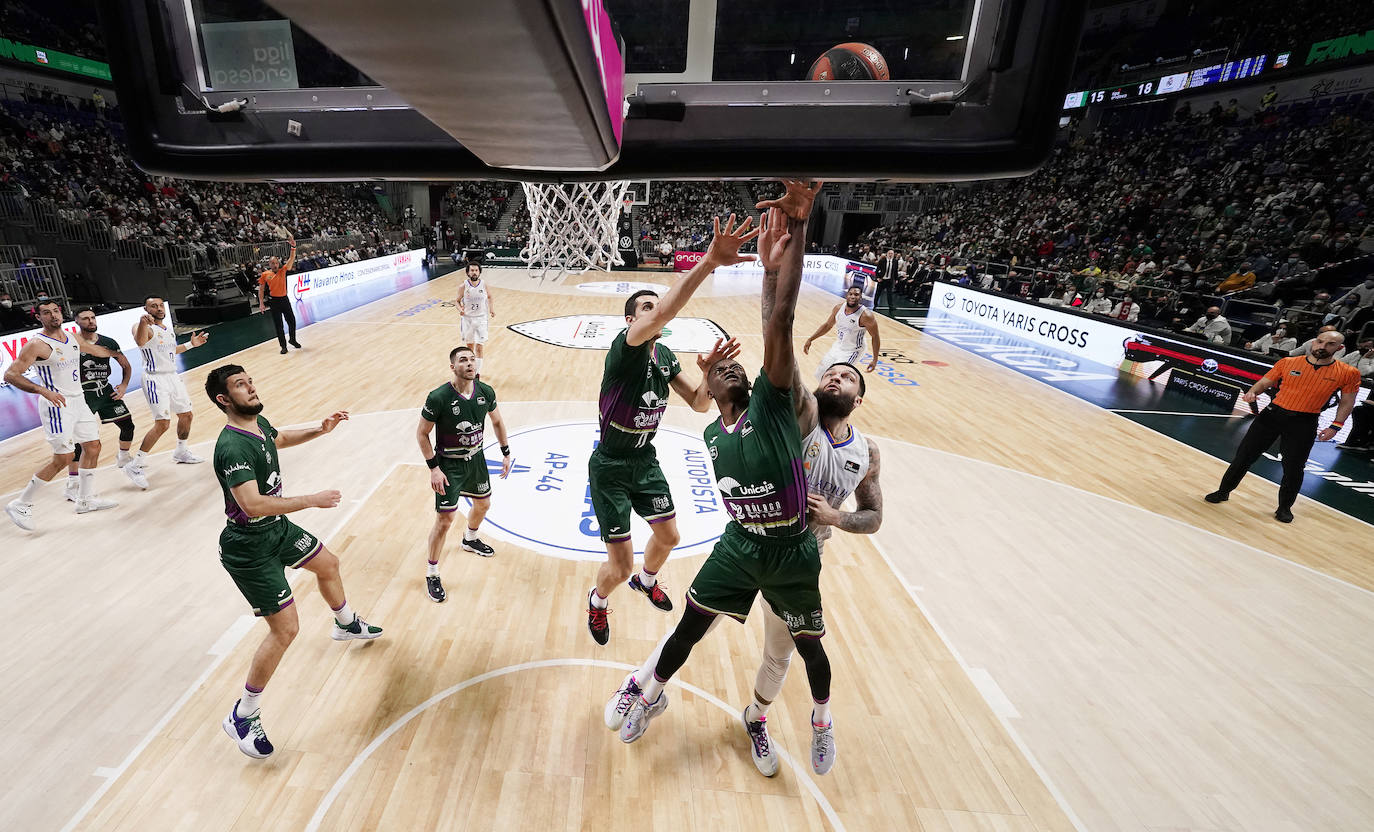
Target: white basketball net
[{"x": 573, "y": 227}]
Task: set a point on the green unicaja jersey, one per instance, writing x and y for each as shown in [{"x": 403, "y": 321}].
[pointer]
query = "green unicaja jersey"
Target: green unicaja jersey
[
  {"x": 459, "y": 420},
  {"x": 95, "y": 370},
  {"x": 242, "y": 456},
  {"x": 758, "y": 464},
  {"x": 634, "y": 394}
]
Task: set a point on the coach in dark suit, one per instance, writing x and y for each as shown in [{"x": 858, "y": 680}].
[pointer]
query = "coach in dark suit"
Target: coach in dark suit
[{"x": 886, "y": 276}]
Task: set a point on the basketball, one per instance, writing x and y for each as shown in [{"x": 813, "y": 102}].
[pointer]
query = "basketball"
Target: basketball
[{"x": 849, "y": 62}]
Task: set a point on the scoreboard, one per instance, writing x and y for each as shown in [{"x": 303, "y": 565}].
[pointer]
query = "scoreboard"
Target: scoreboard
[{"x": 1178, "y": 82}]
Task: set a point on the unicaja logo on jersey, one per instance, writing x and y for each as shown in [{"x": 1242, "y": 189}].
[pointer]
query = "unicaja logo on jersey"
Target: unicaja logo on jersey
[{"x": 731, "y": 488}]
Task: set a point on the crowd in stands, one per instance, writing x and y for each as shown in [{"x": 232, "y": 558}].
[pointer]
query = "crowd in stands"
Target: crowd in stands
[
  {"x": 1169, "y": 218},
  {"x": 477, "y": 204},
  {"x": 65, "y": 25},
  {"x": 84, "y": 168},
  {"x": 680, "y": 213}
]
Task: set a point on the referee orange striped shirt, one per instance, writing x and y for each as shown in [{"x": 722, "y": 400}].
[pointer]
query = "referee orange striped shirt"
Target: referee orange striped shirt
[
  {"x": 275, "y": 280},
  {"x": 1305, "y": 387}
]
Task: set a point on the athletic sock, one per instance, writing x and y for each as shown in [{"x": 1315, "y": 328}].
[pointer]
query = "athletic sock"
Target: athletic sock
[
  {"x": 248, "y": 703},
  {"x": 646, "y": 670},
  {"x": 139, "y": 456},
  {"x": 596, "y": 600},
  {"x": 820, "y": 714},
  {"x": 181, "y": 446},
  {"x": 73, "y": 476},
  {"x": 760, "y": 708},
  {"x": 652, "y": 690},
  {"x": 647, "y": 578},
  {"x": 124, "y": 457},
  {"x": 469, "y": 534},
  {"x": 345, "y": 615},
  {"x": 432, "y": 571},
  {"x": 87, "y": 479},
  {"x": 31, "y": 490}
]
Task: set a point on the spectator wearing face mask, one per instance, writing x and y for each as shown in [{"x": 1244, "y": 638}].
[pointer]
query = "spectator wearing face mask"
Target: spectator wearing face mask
[
  {"x": 1278, "y": 340},
  {"x": 1362, "y": 357},
  {"x": 1127, "y": 310},
  {"x": 13, "y": 317},
  {"x": 1099, "y": 303},
  {"x": 1212, "y": 326},
  {"x": 1364, "y": 293},
  {"x": 1240, "y": 280}
]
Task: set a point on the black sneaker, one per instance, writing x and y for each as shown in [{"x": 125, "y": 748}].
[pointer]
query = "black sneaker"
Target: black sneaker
[
  {"x": 294, "y": 344},
  {"x": 283, "y": 350},
  {"x": 1283, "y": 515},
  {"x": 435, "y": 588},
  {"x": 1218, "y": 497},
  {"x": 598, "y": 623},
  {"x": 476, "y": 546},
  {"x": 656, "y": 595}
]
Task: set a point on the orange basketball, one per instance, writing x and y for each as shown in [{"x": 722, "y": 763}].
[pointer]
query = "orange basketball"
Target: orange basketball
[{"x": 850, "y": 62}]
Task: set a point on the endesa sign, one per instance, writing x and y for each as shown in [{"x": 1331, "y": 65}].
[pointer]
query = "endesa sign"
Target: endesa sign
[
  {"x": 306, "y": 285},
  {"x": 683, "y": 261}
]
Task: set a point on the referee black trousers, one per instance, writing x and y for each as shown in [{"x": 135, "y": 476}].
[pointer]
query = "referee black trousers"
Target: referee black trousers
[
  {"x": 1296, "y": 433},
  {"x": 283, "y": 318}
]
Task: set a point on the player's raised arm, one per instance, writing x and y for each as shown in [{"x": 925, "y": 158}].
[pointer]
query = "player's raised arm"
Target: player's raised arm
[
  {"x": 785, "y": 240},
  {"x": 287, "y": 438},
  {"x": 724, "y": 251},
  {"x": 143, "y": 330}
]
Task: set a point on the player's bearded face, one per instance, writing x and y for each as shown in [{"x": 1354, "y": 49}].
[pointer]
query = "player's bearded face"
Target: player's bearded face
[
  {"x": 244, "y": 401},
  {"x": 837, "y": 396}
]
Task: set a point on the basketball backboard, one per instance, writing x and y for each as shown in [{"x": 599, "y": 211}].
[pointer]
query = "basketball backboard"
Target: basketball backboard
[{"x": 574, "y": 90}]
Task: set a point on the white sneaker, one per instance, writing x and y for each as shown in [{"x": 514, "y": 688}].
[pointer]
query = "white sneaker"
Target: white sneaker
[
  {"x": 72, "y": 490},
  {"x": 822, "y": 748},
  {"x": 187, "y": 458},
  {"x": 123, "y": 459},
  {"x": 358, "y": 629},
  {"x": 247, "y": 732},
  {"x": 618, "y": 706},
  {"x": 760, "y": 744},
  {"x": 94, "y": 503},
  {"x": 641, "y": 714},
  {"x": 137, "y": 475},
  {"x": 21, "y": 513}
]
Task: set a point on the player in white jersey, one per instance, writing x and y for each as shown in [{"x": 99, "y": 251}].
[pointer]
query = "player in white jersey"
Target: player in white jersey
[
  {"x": 850, "y": 320},
  {"x": 474, "y": 299},
  {"x": 67, "y": 419},
  {"x": 162, "y": 386}
]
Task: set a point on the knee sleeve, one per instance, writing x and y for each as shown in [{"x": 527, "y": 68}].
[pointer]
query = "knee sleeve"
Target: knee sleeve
[
  {"x": 76, "y": 453},
  {"x": 126, "y": 428},
  {"x": 817, "y": 667},
  {"x": 678, "y": 647}
]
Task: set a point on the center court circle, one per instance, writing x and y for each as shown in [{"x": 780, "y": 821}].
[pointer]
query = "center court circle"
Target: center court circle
[
  {"x": 545, "y": 504},
  {"x": 622, "y": 287}
]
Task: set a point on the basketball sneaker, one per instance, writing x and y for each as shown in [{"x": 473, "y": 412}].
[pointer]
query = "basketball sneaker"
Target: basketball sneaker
[
  {"x": 435, "y": 588},
  {"x": 655, "y": 593},
  {"x": 640, "y": 715},
  {"x": 760, "y": 744},
  {"x": 1218, "y": 497},
  {"x": 137, "y": 475},
  {"x": 597, "y": 621},
  {"x": 73, "y": 489},
  {"x": 94, "y": 503},
  {"x": 186, "y": 458},
  {"x": 124, "y": 458},
  {"x": 247, "y": 732},
  {"x": 22, "y": 515},
  {"x": 477, "y": 547},
  {"x": 618, "y": 706},
  {"x": 358, "y": 629},
  {"x": 822, "y": 748}
]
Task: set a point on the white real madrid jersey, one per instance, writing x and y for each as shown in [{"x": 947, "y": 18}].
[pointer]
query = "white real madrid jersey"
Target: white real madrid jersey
[
  {"x": 849, "y": 335},
  {"x": 160, "y": 351},
  {"x": 834, "y": 469},
  {"x": 61, "y": 370},
  {"x": 474, "y": 299}
]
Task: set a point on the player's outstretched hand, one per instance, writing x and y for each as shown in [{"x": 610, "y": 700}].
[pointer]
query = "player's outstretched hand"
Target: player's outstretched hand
[
  {"x": 437, "y": 481},
  {"x": 199, "y": 338},
  {"x": 773, "y": 239},
  {"x": 723, "y": 349},
  {"x": 325, "y": 499},
  {"x": 873, "y": 365},
  {"x": 796, "y": 202},
  {"x": 725, "y": 242},
  {"x": 332, "y": 421}
]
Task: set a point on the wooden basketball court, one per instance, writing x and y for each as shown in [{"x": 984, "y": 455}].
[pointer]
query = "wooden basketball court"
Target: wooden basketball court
[{"x": 1052, "y": 631}]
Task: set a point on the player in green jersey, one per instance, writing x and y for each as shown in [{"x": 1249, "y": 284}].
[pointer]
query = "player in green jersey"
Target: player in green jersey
[
  {"x": 458, "y": 467},
  {"x": 106, "y": 401},
  {"x": 756, "y": 450},
  {"x": 258, "y": 542},
  {"x": 623, "y": 471}
]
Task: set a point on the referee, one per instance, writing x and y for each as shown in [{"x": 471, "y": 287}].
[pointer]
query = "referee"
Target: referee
[
  {"x": 1306, "y": 384},
  {"x": 274, "y": 282}
]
